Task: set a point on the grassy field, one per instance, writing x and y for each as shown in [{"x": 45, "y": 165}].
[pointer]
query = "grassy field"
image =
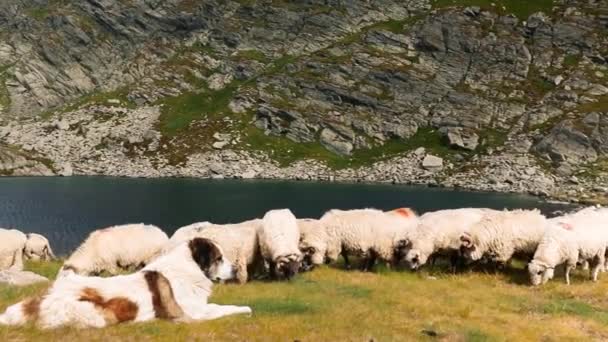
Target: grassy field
[{"x": 329, "y": 304}]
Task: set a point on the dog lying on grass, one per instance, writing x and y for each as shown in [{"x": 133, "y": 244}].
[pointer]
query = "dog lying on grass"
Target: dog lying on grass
[{"x": 175, "y": 286}]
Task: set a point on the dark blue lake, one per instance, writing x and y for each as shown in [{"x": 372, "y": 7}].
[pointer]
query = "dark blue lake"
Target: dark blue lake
[{"x": 67, "y": 209}]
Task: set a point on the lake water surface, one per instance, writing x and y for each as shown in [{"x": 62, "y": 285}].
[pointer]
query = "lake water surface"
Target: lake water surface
[{"x": 67, "y": 209}]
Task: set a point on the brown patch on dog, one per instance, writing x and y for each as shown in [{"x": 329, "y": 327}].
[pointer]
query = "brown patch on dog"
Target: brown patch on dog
[
  {"x": 31, "y": 308},
  {"x": 115, "y": 310},
  {"x": 163, "y": 301},
  {"x": 205, "y": 253},
  {"x": 405, "y": 212}
]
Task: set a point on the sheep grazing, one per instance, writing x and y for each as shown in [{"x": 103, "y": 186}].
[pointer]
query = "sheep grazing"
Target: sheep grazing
[
  {"x": 279, "y": 236},
  {"x": 238, "y": 241},
  {"x": 37, "y": 247},
  {"x": 312, "y": 235},
  {"x": 568, "y": 239},
  {"x": 15, "y": 246},
  {"x": 499, "y": 235},
  {"x": 11, "y": 250},
  {"x": 438, "y": 234},
  {"x": 368, "y": 233},
  {"x": 114, "y": 248}
]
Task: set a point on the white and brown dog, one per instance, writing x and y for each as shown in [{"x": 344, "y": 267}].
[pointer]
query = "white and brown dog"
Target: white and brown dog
[{"x": 175, "y": 286}]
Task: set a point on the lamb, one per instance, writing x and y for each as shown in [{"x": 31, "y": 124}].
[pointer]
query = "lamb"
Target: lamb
[
  {"x": 238, "y": 241},
  {"x": 37, "y": 247},
  {"x": 279, "y": 236},
  {"x": 11, "y": 250},
  {"x": 368, "y": 233},
  {"x": 114, "y": 248},
  {"x": 500, "y": 235},
  {"x": 568, "y": 239},
  {"x": 439, "y": 233}
]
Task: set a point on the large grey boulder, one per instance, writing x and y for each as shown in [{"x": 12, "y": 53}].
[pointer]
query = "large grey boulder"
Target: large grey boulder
[
  {"x": 432, "y": 163},
  {"x": 461, "y": 137},
  {"x": 335, "y": 143},
  {"x": 565, "y": 143}
]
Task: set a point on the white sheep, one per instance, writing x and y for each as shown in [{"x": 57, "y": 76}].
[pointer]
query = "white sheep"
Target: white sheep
[
  {"x": 185, "y": 233},
  {"x": 438, "y": 233},
  {"x": 239, "y": 243},
  {"x": 37, "y": 247},
  {"x": 114, "y": 248},
  {"x": 501, "y": 234},
  {"x": 279, "y": 236},
  {"x": 311, "y": 234},
  {"x": 12, "y": 244},
  {"x": 568, "y": 239},
  {"x": 368, "y": 233}
]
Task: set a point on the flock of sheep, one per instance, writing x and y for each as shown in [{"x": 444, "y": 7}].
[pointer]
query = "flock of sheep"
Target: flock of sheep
[{"x": 279, "y": 245}]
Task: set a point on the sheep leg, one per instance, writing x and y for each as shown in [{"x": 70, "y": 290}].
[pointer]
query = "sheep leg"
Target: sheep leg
[
  {"x": 369, "y": 261},
  {"x": 241, "y": 273},
  {"x": 17, "y": 263},
  {"x": 598, "y": 263},
  {"x": 272, "y": 270},
  {"x": 454, "y": 262},
  {"x": 567, "y": 273},
  {"x": 433, "y": 258},
  {"x": 346, "y": 261}
]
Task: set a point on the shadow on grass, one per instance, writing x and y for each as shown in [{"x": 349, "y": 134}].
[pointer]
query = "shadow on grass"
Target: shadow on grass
[{"x": 280, "y": 306}]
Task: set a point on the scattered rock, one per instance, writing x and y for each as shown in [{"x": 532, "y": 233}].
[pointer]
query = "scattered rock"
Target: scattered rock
[{"x": 20, "y": 278}]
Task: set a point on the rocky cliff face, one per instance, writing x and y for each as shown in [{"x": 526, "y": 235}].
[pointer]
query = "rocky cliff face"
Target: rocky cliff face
[{"x": 485, "y": 95}]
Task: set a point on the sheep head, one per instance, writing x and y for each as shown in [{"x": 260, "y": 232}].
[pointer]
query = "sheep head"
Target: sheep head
[
  {"x": 540, "y": 273},
  {"x": 288, "y": 266},
  {"x": 468, "y": 247},
  {"x": 313, "y": 248},
  {"x": 400, "y": 250}
]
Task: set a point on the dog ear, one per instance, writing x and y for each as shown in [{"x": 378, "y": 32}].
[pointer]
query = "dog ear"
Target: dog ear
[{"x": 204, "y": 252}]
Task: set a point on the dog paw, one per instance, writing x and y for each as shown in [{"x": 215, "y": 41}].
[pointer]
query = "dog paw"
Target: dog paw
[{"x": 246, "y": 310}]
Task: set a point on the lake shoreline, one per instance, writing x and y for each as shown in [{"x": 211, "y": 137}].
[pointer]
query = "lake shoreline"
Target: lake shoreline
[{"x": 67, "y": 209}]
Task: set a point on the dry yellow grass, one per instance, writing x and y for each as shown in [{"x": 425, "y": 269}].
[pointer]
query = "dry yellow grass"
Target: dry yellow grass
[{"x": 330, "y": 304}]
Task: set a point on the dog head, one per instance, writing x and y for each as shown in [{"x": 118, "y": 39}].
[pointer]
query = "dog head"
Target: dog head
[
  {"x": 211, "y": 260},
  {"x": 37, "y": 247}
]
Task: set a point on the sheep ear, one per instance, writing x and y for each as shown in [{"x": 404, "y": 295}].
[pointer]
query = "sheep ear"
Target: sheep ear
[
  {"x": 204, "y": 252},
  {"x": 466, "y": 241},
  {"x": 405, "y": 243}
]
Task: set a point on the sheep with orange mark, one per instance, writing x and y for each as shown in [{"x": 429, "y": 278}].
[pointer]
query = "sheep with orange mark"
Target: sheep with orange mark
[
  {"x": 368, "y": 233},
  {"x": 439, "y": 233},
  {"x": 238, "y": 241},
  {"x": 115, "y": 248},
  {"x": 279, "y": 235},
  {"x": 568, "y": 239}
]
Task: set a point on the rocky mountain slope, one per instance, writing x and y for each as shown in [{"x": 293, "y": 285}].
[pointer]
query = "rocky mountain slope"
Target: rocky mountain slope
[{"x": 504, "y": 95}]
